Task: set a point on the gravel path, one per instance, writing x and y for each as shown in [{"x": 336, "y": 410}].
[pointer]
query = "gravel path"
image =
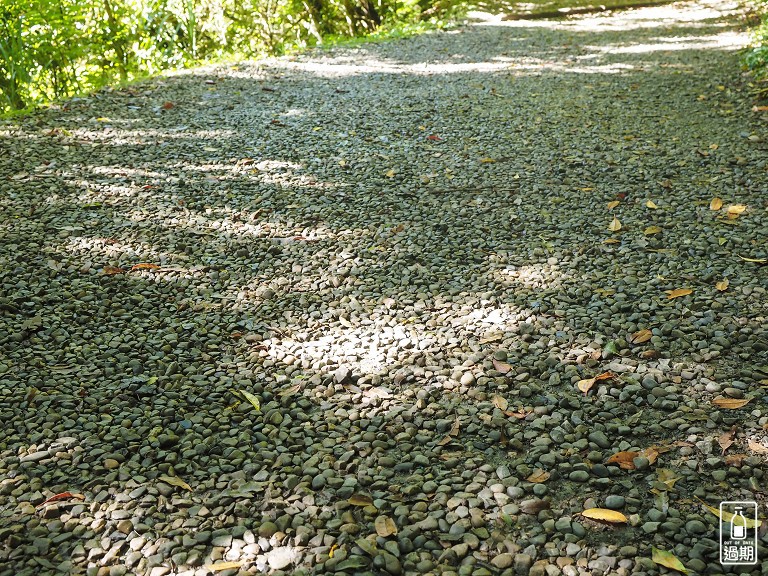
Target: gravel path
[{"x": 402, "y": 253}]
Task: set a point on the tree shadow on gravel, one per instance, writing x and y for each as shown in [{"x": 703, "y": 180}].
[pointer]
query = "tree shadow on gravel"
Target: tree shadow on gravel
[{"x": 354, "y": 249}]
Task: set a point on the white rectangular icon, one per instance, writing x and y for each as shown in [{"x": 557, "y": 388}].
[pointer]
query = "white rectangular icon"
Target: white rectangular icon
[{"x": 738, "y": 533}]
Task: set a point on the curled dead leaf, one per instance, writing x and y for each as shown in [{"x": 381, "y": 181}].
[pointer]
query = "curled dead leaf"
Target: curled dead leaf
[
  {"x": 757, "y": 447},
  {"x": 500, "y": 402},
  {"x": 678, "y": 292},
  {"x": 538, "y": 476},
  {"x": 605, "y": 515},
  {"x": 624, "y": 459},
  {"x": 716, "y": 203},
  {"x": 501, "y": 367},
  {"x": 385, "y": 526},
  {"x": 640, "y": 336},
  {"x": 731, "y": 403},
  {"x": 145, "y": 266},
  {"x": 112, "y": 270},
  {"x": 615, "y": 225},
  {"x": 61, "y": 496}
]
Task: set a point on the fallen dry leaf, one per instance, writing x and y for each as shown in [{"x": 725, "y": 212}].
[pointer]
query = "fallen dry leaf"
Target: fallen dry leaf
[
  {"x": 649, "y": 354},
  {"x": 668, "y": 560},
  {"x": 385, "y": 526},
  {"x": 538, "y": 476},
  {"x": 615, "y": 225},
  {"x": 219, "y": 566},
  {"x": 667, "y": 477},
  {"x": 501, "y": 367},
  {"x": 175, "y": 481},
  {"x": 716, "y": 203},
  {"x": 145, "y": 266},
  {"x": 360, "y": 500},
  {"x": 500, "y": 402},
  {"x": 736, "y": 209},
  {"x": 640, "y": 336},
  {"x": 650, "y": 204},
  {"x": 605, "y": 515},
  {"x": 624, "y": 459},
  {"x": 722, "y": 285},
  {"x": 61, "y": 496},
  {"x": 520, "y": 414},
  {"x": 677, "y": 293},
  {"x": 611, "y": 205},
  {"x": 651, "y": 454},
  {"x": 112, "y": 270},
  {"x": 735, "y": 460},
  {"x": 168, "y": 105},
  {"x": 452, "y": 433},
  {"x": 533, "y": 506},
  {"x": 727, "y": 439},
  {"x": 757, "y": 447},
  {"x": 651, "y": 230},
  {"x": 585, "y": 385},
  {"x": 610, "y": 241},
  {"x": 731, "y": 403},
  {"x": 758, "y": 260}
]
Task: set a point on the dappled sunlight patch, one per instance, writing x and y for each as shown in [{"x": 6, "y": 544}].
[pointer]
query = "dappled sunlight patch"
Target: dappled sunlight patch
[
  {"x": 123, "y": 137},
  {"x": 537, "y": 276}
]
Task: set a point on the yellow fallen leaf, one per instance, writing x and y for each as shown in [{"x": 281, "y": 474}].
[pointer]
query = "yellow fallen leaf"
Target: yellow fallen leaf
[
  {"x": 722, "y": 285},
  {"x": 716, "y": 203},
  {"x": 651, "y": 230},
  {"x": 385, "y": 526},
  {"x": 640, "y": 336},
  {"x": 219, "y": 566},
  {"x": 668, "y": 560},
  {"x": 650, "y": 204},
  {"x": 736, "y": 208},
  {"x": 613, "y": 204},
  {"x": 175, "y": 481},
  {"x": 390, "y": 174},
  {"x": 605, "y": 515},
  {"x": 360, "y": 500},
  {"x": 731, "y": 403},
  {"x": 585, "y": 385},
  {"x": 610, "y": 241},
  {"x": 615, "y": 225},
  {"x": 487, "y": 160},
  {"x": 342, "y": 163},
  {"x": 727, "y": 516},
  {"x": 678, "y": 292},
  {"x": 500, "y": 402},
  {"x": 757, "y": 260},
  {"x": 538, "y": 476},
  {"x": 252, "y": 399}
]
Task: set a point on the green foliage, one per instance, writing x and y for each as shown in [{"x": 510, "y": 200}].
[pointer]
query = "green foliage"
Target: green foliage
[
  {"x": 756, "y": 57},
  {"x": 52, "y": 49}
]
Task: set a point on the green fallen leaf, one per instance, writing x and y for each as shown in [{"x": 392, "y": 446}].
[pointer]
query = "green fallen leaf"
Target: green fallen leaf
[
  {"x": 252, "y": 399},
  {"x": 668, "y": 560}
]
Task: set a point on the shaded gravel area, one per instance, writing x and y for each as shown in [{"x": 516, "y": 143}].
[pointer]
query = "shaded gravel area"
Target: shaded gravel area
[{"x": 402, "y": 254}]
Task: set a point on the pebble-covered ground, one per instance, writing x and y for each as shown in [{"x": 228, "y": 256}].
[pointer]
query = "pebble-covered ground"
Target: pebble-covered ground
[{"x": 415, "y": 257}]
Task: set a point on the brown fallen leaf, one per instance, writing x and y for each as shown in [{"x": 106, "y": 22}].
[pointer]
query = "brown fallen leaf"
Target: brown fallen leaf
[
  {"x": 727, "y": 439},
  {"x": 452, "y": 433},
  {"x": 501, "y": 367},
  {"x": 624, "y": 459},
  {"x": 605, "y": 515},
  {"x": 500, "y": 402},
  {"x": 716, "y": 203},
  {"x": 360, "y": 500},
  {"x": 61, "y": 496},
  {"x": 649, "y": 354},
  {"x": 145, "y": 266},
  {"x": 538, "y": 476},
  {"x": 735, "y": 460},
  {"x": 757, "y": 447},
  {"x": 722, "y": 286},
  {"x": 651, "y": 454},
  {"x": 520, "y": 414},
  {"x": 731, "y": 403},
  {"x": 385, "y": 526},
  {"x": 112, "y": 270},
  {"x": 168, "y": 105},
  {"x": 615, "y": 225},
  {"x": 585, "y": 385},
  {"x": 640, "y": 336},
  {"x": 678, "y": 292}
]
